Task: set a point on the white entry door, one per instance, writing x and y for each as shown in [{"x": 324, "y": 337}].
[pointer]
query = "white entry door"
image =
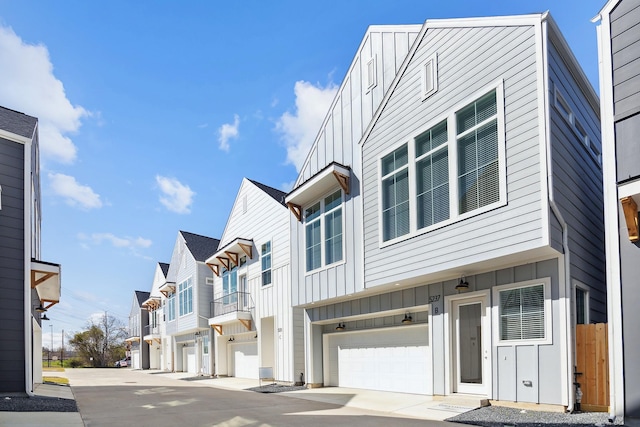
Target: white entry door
[
  {"x": 470, "y": 345},
  {"x": 189, "y": 357}
]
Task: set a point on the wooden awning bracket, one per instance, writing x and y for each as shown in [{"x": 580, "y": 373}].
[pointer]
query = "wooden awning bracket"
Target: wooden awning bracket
[
  {"x": 630, "y": 208},
  {"x": 247, "y": 249},
  {"x": 246, "y": 323},
  {"x": 45, "y": 276},
  {"x": 224, "y": 261},
  {"x": 233, "y": 256},
  {"x": 218, "y": 329},
  {"x": 215, "y": 268},
  {"x": 296, "y": 210},
  {"x": 343, "y": 180}
]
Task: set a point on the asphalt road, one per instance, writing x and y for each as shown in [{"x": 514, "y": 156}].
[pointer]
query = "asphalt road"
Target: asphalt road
[{"x": 110, "y": 397}]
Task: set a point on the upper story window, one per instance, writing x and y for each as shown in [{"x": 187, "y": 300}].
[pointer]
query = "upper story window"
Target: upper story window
[
  {"x": 185, "y": 297},
  {"x": 323, "y": 229},
  {"x": 230, "y": 285},
  {"x": 171, "y": 306},
  {"x": 372, "y": 74},
  {"x": 265, "y": 258},
  {"x": 574, "y": 122},
  {"x": 447, "y": 171},
  {"x": 429, "y": 77}
]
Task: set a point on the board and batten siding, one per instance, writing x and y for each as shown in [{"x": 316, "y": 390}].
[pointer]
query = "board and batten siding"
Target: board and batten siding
[
  {"x": 577, "y": 183},
  {"x": 469, "y": 60},
  {"x": 12, "y": 263},
  {"x": 337, "y": 141}
]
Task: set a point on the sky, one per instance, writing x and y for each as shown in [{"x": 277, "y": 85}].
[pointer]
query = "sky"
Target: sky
[{"x": 151, "y": 113}]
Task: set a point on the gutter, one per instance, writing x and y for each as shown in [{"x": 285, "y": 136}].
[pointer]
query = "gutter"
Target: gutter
[{"x": 565, "y": 231}]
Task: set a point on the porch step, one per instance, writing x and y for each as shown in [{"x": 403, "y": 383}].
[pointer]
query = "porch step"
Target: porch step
[{"x": 471, "y": 401}]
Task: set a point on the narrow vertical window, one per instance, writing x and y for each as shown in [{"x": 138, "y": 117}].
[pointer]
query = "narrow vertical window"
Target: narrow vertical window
[
  {"x": 185, "y": 297},
  {"x": 478, "y": 171},
  {"x": 395, "y": 194},
  {"x": 582, "y": 300},
  {"x": 312, "y": 237},
  {"x": 429, "y": 78},
  {"x": 230, "y": 285},
  {"x": 171, "y": 306},
  {"x": 265, "y": 254},
  {"x": 333, "y": 228},
  {"x": 432, "y": 175},
  {"x": 371, "y": 73}
]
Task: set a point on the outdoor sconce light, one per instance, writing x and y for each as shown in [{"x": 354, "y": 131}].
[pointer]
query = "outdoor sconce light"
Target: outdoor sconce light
[
  {"x": 340, "y": 327},
  {"x": 40, "y": 309},
  {"x": 407, "y": 319},
  {"x": 44, "y": 317},
  {"x": 231, "y": 339},
  {"x": 256, "y": 336},
  {"x": 463, "y": 285}
]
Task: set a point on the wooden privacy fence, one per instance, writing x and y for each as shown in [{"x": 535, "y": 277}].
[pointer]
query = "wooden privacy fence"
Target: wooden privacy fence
[{"x": 592, "y": 363}]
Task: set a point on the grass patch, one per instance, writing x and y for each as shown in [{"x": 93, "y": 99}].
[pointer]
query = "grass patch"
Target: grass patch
[
  {"x": 55, "y": 380},
  {"x": 53, "y": 369}
]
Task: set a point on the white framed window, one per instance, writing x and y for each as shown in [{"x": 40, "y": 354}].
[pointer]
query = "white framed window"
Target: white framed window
[
  {"x": 230, "y": 285},
  {"x": 171, "y": 306},
  {"x": 523, "y": 312},
  {"x": 452, "y": 169},
  {"x": 429, "y": 77},
  {"x": 563, "y": 107},
  {"x": 185, "y": 297},
  {"x": 265, "y": 260},
  {"x": 324, "y": 232},
  {"x": 209, "y": 280},
  {"x": 582, "y": 304},
  {"x": 372, "y": 73}
]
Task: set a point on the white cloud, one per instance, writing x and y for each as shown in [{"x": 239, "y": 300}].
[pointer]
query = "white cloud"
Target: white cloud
[
  {"x": 118, "y": 242},
  {"x": 29, "y": 86},
  {"x": 74, "y": 193},
  {"x": 177, "y": 196},
  {"x": 228, "y": 131},
  {"x": 287, "y": 186},
  {"x": 299, "y": 129}
]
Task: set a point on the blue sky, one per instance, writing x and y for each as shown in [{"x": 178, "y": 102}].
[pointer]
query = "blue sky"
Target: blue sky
[{"x": 151, "y": 113}]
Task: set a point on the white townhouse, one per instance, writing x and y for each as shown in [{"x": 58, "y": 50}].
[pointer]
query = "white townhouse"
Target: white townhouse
[
  {"x": 255, "y": 325},
  {"x": 462, "y": 160},
  {"x": 137, "y": 348},
  {"x": 155, "y": 331},
  {"x": 187, "y": 304}
]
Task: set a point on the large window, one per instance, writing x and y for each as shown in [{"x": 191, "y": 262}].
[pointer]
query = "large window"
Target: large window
[
  {"x": 323, "y": 229},
  {"x": 230, "y": 285},
  {"x": 185, "y": 297},
  {"x": 446, "y": 171},
  {"x": 524, "y": 312},
  {"x": 265, "y": 259}
]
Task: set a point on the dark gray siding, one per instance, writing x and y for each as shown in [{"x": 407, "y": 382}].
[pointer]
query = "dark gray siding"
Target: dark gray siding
[
  {"x": 625, "y": 47},
  {"x": 12, "y": 345},
  {"x": 577, "y": 184}
]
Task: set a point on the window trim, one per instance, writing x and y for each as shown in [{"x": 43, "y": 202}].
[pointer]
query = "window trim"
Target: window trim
[
  {"x": 579, "y": 286},
  {"x": 323, "y": 265},
  {"x": 429, "y": 76},
  {"x": 371, "y": 73},
  {"x": 548, "y": 314},
  {"x": 449, "y": 117},
  {"x": 270, "y": 269},
  {"x": 171, "y": 306}
]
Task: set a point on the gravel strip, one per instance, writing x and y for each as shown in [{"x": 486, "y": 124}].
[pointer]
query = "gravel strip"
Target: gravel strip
[
  {"x": 276, "y": 388},
  {"x": 37, "y": 404},
  {"x": 498, "y": 416}
]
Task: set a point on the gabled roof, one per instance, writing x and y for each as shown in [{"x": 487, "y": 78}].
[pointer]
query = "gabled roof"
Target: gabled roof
[
  {"x": 141, "y": 296},
  {"x": 201, "y": 247},
  {"x": 17, "y": 123},
  {"x": 164, "y": 267},
  {"x": 276, "y": 194}
]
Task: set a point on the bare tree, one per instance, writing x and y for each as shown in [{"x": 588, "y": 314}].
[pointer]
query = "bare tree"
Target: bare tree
[{"x": 102, "y": 342}]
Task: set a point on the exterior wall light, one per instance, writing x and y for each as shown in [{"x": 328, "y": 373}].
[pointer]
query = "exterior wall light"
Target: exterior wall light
[
  {"x": 463, "y": 285},
  {"x": 407, "y": 319},
  {"x": 340, "y": 327}
]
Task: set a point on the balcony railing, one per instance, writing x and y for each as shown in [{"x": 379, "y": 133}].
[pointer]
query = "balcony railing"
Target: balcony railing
[
  {"x": 151, "y": 330},
  {"x": 236, "y": 301}
]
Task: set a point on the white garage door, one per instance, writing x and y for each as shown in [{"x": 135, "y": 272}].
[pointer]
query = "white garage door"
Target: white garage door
[
  {"x": 245, "y": 360},
  {"x": 397, "y": 359}
]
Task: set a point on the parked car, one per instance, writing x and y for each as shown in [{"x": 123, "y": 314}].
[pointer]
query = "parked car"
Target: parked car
[{"x": 122, "y": 363}]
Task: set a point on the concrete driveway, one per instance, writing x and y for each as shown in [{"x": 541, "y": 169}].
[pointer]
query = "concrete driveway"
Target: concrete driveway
[{"x": 107, "y": 397}]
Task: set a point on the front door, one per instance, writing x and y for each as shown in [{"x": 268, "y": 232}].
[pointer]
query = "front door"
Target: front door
[{"x": 470, "y": 349}]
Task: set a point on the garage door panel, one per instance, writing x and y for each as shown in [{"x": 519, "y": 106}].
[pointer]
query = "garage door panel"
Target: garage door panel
[
  {"x": 245, "y": 360},
  {"x": 387, "y": 359}
]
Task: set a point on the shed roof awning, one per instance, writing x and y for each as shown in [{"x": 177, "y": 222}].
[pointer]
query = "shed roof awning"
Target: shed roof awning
[
  {"x": 45, "y": 279},
  {"x": 230, "y": 253},
  {"x": 151, "y": 303},
  {"x": 318, "y": 185},
  {"x": 167, "y": 288}
]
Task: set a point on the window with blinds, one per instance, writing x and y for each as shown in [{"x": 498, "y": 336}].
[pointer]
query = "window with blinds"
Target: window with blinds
[
  {"x": 522, "y": 313},
  {"x": 447, "y": 171}
]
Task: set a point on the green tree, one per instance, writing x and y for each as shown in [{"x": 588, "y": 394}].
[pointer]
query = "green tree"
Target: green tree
[{"x": 102, "y": 343}]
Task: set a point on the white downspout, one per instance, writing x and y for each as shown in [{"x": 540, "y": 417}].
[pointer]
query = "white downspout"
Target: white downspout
[
  {"x": 565, "y": 230},
  {"x": 28, "y": 327}
]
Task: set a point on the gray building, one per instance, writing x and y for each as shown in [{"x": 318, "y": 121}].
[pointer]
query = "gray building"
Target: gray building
[
  {"x": 447, "y": 225},
  {"x": 619, "y": 51},
  {"x": 138, "y": 322},
  {"x": 29, "y": 285}
]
